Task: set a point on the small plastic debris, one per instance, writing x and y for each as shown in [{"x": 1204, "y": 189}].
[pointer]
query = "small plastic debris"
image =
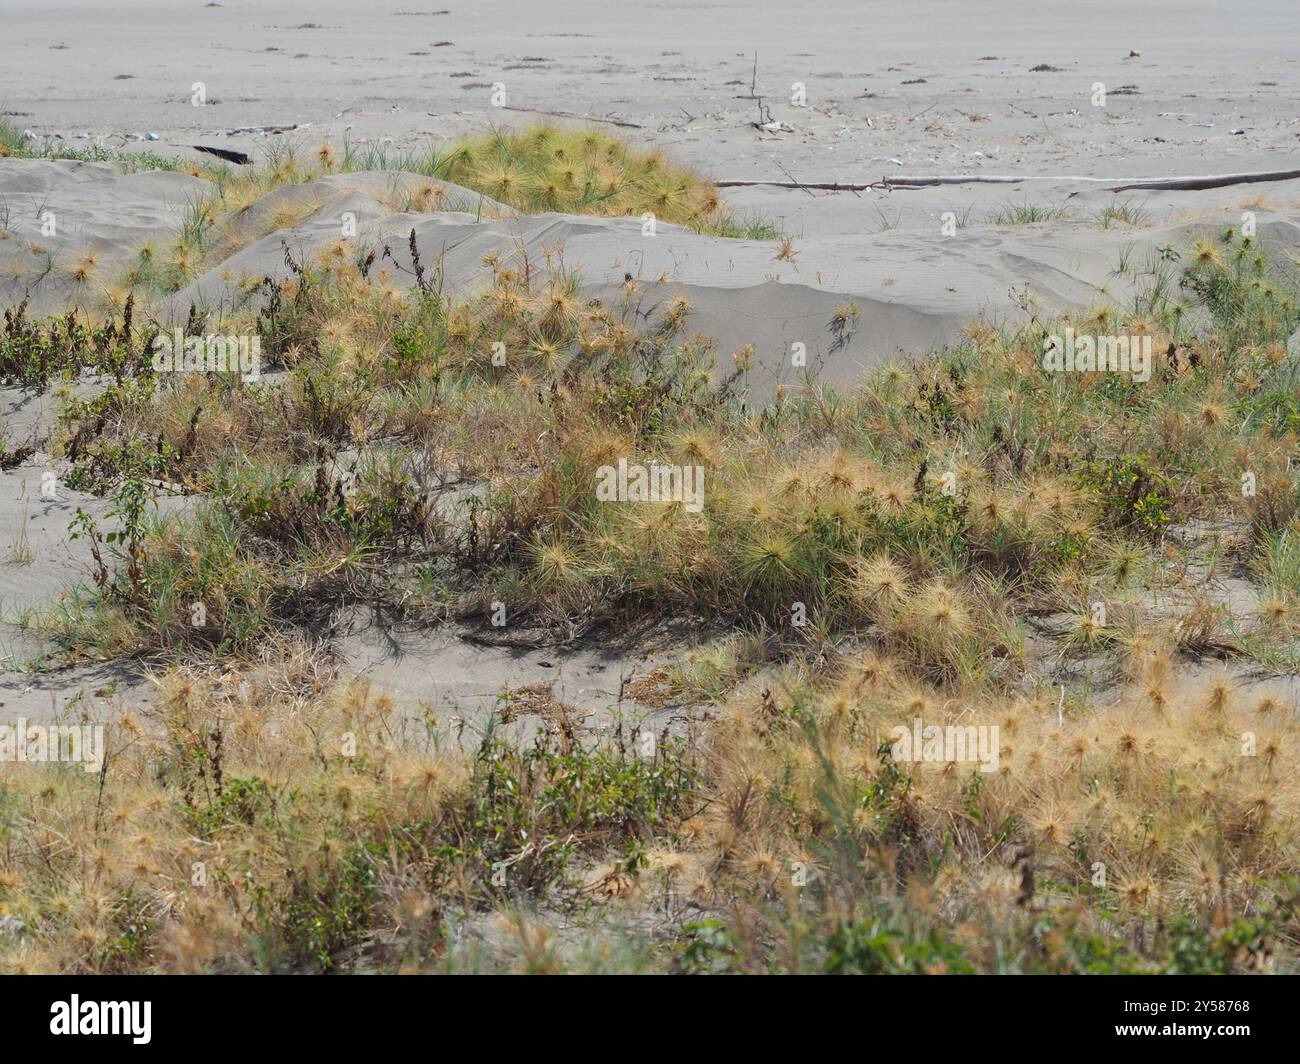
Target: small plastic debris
[{"x": 151, "y": 136}]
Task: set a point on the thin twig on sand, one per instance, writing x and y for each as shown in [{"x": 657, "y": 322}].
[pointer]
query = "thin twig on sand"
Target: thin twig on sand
[{"x": 571, "y": 114}]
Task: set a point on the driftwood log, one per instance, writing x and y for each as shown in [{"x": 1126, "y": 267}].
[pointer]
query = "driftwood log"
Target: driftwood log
[
  {"x": 1126, "y": 184},
  {"x": 239, "y": 158}
]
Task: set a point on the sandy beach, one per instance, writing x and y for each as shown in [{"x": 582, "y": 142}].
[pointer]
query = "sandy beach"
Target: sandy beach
[{"x": 1204, "y": 69}]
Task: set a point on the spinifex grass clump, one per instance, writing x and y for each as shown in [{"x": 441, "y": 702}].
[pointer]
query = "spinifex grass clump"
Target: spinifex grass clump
[
  {"x": 583, "y": 172},
  {"x": 11, "y": 140},
  {"x": 1251, "y": 301},
  {"x": 1124, "y": 838},
  {"x": 239, "y": 831},
  {"x": 1026, "y": 213},
  {"x": 573, "y": 170}
]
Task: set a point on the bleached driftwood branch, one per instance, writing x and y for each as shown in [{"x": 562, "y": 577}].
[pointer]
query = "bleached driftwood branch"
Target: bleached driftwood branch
[
  {"x": 828, "y": 186},
  {"x": 1125, "y": 183},
  {"x": 1213, "y": 181}
]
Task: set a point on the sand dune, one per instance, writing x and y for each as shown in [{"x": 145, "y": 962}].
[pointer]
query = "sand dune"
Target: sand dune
[{"x": 915, "y": 288}]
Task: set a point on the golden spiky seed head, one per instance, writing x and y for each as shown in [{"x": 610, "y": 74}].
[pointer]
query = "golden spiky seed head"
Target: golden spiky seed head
[
  {"x": 1268, "y": 706},
  {"x": 1217, "y": 698},
  {"x": 1211, "y": 415},
  {"x": 764, "y": 864},
  {"x": 939, "y": 608},
  {"x": 554, "y": 562},
  {"x": 878, "y": 581},
  {"x": 1137, "y": 892}
]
